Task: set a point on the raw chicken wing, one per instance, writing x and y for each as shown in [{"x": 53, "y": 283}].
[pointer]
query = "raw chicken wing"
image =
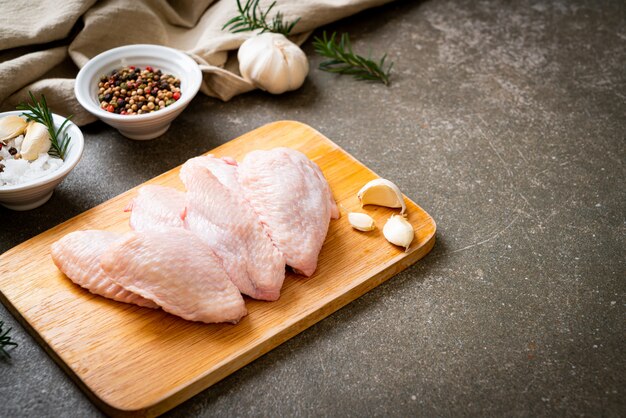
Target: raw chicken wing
[
  {"x": 78, "y": 256},
  {"x": 221, "y": 217},
  {"x": 293, "y": 199},
  {"x": 157, "y": 206},
  {"x": 178, "y": 271}
]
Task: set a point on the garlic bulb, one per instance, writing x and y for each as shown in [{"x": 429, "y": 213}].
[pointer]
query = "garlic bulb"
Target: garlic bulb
[
  {"x": 273, "y": 63},
  {"x": 361, "y": 221},
  {"x": 399, "y": 231},
  {"x": 11, "y": 126},
  {"x": 382, "y": 192},
  {"x": 36, "y": 141}
]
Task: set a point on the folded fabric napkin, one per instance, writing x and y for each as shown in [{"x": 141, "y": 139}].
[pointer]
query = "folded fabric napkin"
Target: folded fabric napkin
[{"x": 42, "y": 42}]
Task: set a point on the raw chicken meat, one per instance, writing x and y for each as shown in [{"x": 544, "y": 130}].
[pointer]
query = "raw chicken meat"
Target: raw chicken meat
[
  {"x": 192, "y": 253},
  {"x": 177, "y": 270},
  {"x": 224, "y": 169},
  {"x": 156, "y": 206},
  {"x": 293, "y": 199},
  {"x": 218, "y": 213},
  {"x": 78, "y": 256},
  {"x": 334, "y": 209}
]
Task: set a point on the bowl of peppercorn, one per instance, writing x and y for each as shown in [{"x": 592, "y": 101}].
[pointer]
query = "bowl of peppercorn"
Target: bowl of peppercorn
[{"x": 138, "y": 89}]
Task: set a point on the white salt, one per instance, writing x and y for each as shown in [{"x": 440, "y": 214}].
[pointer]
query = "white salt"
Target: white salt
[{"x": 20, "y": 171}]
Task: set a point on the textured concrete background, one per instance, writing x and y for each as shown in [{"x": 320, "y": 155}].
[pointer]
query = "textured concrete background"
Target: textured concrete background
[{"x": 506, "y": 121}]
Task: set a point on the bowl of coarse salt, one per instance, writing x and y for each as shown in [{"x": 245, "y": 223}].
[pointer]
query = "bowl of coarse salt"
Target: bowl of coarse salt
[{"x": 29, "y": 183}]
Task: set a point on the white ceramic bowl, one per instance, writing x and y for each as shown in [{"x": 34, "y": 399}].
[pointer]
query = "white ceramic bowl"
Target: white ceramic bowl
[
  {"x": 36, "y": 192},
  {"x": 168, "y": 60}
]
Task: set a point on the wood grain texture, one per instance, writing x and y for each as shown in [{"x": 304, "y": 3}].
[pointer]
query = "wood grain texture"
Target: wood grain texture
[{"x": 132, "y": 360}]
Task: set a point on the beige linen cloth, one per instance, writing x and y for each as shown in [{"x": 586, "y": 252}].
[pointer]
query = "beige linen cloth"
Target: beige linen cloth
[{"x": 42, "y": 41}]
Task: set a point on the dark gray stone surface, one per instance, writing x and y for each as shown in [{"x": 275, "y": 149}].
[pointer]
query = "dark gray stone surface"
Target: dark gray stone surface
[{"x": 506, "y": 121}]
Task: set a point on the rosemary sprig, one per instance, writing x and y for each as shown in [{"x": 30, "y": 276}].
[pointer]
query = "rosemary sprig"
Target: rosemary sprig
[
  {"x": 251, "y": 17},
  {"x": 344, "y": 61},
  {"x": 39, "y": 112},
  {"x": 5, "y": 341}
]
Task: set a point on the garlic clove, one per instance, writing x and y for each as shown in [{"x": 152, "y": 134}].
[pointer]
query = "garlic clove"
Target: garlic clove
[
  {"x": 272, "y": 63},
  {"x": 399, "y": 231},
  {"x": 11, "y": 126},
  {"x": 36, "y": 141},
  {"x": 361, "y": 221},
  {"x": 382, "y": 192}
]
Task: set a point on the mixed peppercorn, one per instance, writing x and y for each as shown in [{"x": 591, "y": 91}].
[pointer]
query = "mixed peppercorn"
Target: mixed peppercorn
[{"x": 133, "y": 91}]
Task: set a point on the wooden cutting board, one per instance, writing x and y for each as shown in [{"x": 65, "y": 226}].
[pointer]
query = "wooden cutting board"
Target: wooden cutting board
[{"x": 132, "y": 360}]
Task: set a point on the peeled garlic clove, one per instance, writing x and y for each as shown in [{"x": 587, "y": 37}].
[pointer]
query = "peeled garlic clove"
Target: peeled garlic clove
[
  {"x": 11, "y": 126},
  {"x": 382, "y": 192},
  {"x": 399, "y": 231},
  {"x": 36, "y": 141},
  {"x": 361, "y": 221}
]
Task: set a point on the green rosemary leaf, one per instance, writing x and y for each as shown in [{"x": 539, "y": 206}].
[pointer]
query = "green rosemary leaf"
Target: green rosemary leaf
[
  {"x": 264, "y": 14},
  {"x": 252, "y": 17},
  {"x": 238, "y": 25},
  {"x": 292, "y": 24},
  {"x": 254, "y": 5},
  {"x": 39, "y": 111},
  {"x": 233, "y": 20},
  {"x": 5, "y": 341},
  {"x": 344, "y": 61}
]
